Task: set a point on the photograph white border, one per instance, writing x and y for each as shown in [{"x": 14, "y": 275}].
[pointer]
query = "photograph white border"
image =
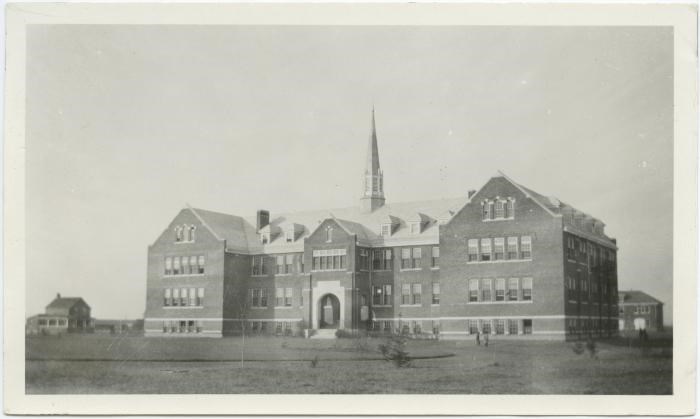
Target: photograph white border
[{"x": 681, "y": 16}]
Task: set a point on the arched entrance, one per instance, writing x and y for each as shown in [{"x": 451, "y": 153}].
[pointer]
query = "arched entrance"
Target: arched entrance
[{"x": 329, "y": 312}]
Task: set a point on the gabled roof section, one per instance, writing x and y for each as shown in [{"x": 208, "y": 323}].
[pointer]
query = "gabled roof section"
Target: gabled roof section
[
  {"x": 636, "y": 297},
  {"x": 224, "y": 227},
  {"x": 540, "y": 200},
  {"x": 64, "y": 303}
]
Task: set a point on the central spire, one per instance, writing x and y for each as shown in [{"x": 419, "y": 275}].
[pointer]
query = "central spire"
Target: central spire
[{"x": 373, "y": 192}]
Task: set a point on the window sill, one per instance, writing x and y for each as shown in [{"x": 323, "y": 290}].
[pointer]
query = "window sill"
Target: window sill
[
  {"x": 435, "y": 268},
  {"x": 287, "y": 274},
  {"x": 435, "y": 305},
  {"x": 260, "y": 276},
  {"x": 259, "y": 308},
  {"x": 182, "y": 307},
  {"x": 498, "y": 219},
  {"x": 283, "y": 307},
  {"x": 498, "y": 261},
  {"x": 500, "y": 302},
  {"x": 411, "y": 305},
  {"x": 328, "y": 270},
  {"x": 410, "y": 269},
  {"x": 382, "y": 306},
  {"x": 181, "y": 275}
]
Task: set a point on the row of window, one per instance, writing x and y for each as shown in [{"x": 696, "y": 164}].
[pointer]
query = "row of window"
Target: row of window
[
  {"x": 499, "y": 326},
  {"x": 488, "y": 290},
  {"x": 576, "y": 326},
  {"x": 411, "y": 294},
  {"x": 406, "y": 327},
  {"x": 580, "y": 288},
  {"x": 183, "y": 297},
  {"x": 642, "y": 309},
  {"x": 184, "y": 265},
  {"x": 285, "y": 264},
  {"x": 182, "y": 326},
  {"x": 184, "y": 233},
  {"x": 578, "y": 248},
  {"x": 329, "y": 260},
  {"x": 259, "y": 297},
  {"x": 499, "y": 248},
  {"x": 498, "y": 209}
]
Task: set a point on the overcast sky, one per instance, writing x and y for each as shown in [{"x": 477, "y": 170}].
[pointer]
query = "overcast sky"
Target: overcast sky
[{"x": 126, "y": 124}]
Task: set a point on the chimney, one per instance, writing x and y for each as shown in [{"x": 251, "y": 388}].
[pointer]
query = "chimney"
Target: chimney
[
  {"x": 471, "y": 193},
  {"x": 58, "y": 295},
  {"x": 262, "y": 219}
]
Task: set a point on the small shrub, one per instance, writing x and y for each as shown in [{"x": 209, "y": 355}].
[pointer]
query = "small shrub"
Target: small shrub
[
  {"x": 394, "y": 350},
  {"x": 344, "y": 334}
]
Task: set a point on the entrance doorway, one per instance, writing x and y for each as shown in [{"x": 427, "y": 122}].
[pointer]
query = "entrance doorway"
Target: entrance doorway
[{"x": 329, "y": 312}]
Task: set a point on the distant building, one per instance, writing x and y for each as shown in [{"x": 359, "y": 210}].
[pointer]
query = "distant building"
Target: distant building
[
  {"x": 63, "y": 315},
  {"x": 118, "y": 326},
  {"x": 503, "y": 260},
  {"x": 639, "y": 310}
]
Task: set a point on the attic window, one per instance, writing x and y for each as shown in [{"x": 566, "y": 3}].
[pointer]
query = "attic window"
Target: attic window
[
  {"x": 415, "y": 227},
  {"x": 498, "y": 209},
  {"x": 385, "y": 230},
  {"x": 184, "y": 233},
  {"x": 289, "y": 235},
  {"x": 329, "y": 234},
  {"x": 178, "y": 234},
  {"x": 265, "y": 237}
]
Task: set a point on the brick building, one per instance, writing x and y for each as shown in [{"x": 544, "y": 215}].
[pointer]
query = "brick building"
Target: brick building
[
  {"x": 503, "y": 260},
  {"x": 639, "y": 310}
]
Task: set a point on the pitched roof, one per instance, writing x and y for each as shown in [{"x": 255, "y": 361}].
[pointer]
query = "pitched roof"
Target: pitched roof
[
  {"x": 227, "y": 227},
  {"x": 636, "y": 297},
  {"x": 64, "y": 303}
]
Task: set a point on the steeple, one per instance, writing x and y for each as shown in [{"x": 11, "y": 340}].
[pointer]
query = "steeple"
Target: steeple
[{"x": 373, "y": 191}]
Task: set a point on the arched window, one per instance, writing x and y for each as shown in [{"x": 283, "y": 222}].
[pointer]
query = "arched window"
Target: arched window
[
  {"x": 190, "y": 233},
  {"x": 329, "y": 234},
  {"x": 178, "y": 234}
]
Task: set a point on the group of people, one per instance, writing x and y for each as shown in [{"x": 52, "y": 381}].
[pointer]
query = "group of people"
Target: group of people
[
  {"x": 478, "y": 339},
  {"x": 643, "y": 337}
]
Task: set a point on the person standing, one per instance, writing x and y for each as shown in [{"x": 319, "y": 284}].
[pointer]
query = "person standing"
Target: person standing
[{"x": 478, "y": 339}]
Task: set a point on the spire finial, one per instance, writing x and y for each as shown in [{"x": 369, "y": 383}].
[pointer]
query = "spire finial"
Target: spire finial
[{"x": 373, "y": 192}]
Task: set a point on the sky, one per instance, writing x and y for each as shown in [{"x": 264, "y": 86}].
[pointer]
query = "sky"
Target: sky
[{"x": 128, "y": 124}]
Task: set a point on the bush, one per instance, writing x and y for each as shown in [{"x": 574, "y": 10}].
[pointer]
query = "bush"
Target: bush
[
  {"x": 394, "y": 350},
  {"x": 344, "y": 334}
]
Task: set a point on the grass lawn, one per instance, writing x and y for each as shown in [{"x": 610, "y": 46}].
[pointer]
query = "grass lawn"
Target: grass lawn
[{"x": 116, "y": 365}]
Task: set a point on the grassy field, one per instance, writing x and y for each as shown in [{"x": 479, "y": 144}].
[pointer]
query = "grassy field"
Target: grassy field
[{"x": 118, "y": 365}]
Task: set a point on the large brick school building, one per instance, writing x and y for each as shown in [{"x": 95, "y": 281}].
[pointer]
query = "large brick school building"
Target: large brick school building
[{"x": 503, "y": 260}]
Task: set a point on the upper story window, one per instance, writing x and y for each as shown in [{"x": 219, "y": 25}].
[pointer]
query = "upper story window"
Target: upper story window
[
  {"x": 498, "y": 209},
  {"x": 329, "y": 234},
  {"x": 411, "y": 258},
  {"x": 382, "y": 260},
  {"x": 364, "y": 259},
  {"x": 258, "y": 266},
  {"x": 265, "y": 237},
  {"x": 184, "y": 265},
  {"x": 415, "y": 227},
  {"x": 499, "y": 249},
  {"x": 329, "y": 260},
  {"x": 185, "y": 233},
  {"x": 385, "y": 230},
  {"x": 435, "y": 257}
]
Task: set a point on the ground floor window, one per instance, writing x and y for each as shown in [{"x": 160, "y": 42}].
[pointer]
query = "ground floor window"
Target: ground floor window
[
  {"x": 182, "y": 326},
  {"x": 486, "y": 326},
  {"x": 512, "y": 327},
  {"x": 500, "y": 327},
  {"x": 473, "y": 327},
  {"x": 527, "y": 327}
]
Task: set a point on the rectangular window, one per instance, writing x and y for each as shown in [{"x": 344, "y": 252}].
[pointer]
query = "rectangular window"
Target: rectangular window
[
  {"x": 289, "y": 260},
  {"x": 388, "y": 259},
  {"x": 500, "y": 289},
  {"x": 513, "y": 289},
  {"x": 405, "y": 258},
  {"x": 526, "y": 247},
  {"x": 377, "y": 260},
  {"x": 416, "y": 260},
  {"x": 183, "y": 297},
  {"x": 498, "y": 248},
  {"x": 500, "y": 209},
  {"x": 200, "y": 297},
  {"x": 167, "y": 298},
  {"x": 386, "y": 230},
  {"x": 176, "y": 265},
  {"x": 364, "y": 259},
  {"x": 510, "y": 207},
  {"x": 485, "y": 290},
  {"x": 527, "y": 289},
  {"x": 381, "y": 295},
  {"x": 485, "y": 249},
  {"x": 487, "y": 210},
  {"x": 436, "y": 293},
  {"x": 416, "y": 291},
  {"x": 168, "y": 266},
  {"x": 473, "y": 249},
  {"x": 263, "y": 297},
  {"x": 473, "y": 290},
  {"x": 527, "y": 327},
  {"x": 329, "y": 259},
  {"x": 193, "y": 297},
  {"x": 176, "y": 297},
  {"x": 194, "y": 265},
  {"x": 406, "y": 294},
  {"x": 500, "y": 326},
  {"x": 512, "y": 327},
  {"x": 435, "y": 257},
  {"x": 473, "y": 326},
  {"x": 279, "y": 297},
  {"x": 288, "y": 297},
  {"x": 280, "y": 264},
  {"x": 512, "y": 248}
]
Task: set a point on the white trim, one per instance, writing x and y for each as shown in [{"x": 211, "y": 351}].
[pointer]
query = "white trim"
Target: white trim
[
  {"x": 180, "y": 307},
  {"x": 486, "y": 262},
  {"x": 498, "y": 302}
]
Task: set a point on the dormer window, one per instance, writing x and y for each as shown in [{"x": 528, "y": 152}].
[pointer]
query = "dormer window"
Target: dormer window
[
  {"x": 289, "y": 236},
  {"x": 498, "y": 209},
  {"x": 385, "y": 230},
  {"x": 415, "y": 227},
  {"x": 265, "y": 237}
]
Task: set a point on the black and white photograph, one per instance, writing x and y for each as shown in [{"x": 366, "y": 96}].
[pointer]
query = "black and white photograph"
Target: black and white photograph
[{"x": 307, "y": 208}]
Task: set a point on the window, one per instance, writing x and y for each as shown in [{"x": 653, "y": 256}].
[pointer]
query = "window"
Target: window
[
  {"x": 329, "y": 259},
  {"x": 405, "y": 258},
  {"x": 436, "y": 293},
  {"x": 178, "y": 234},
  {"x": 167, "y": 297},
  {"x": 381, "y": 259},
  {"x": 194, "y": 265},
  {"x": 500, "y": 289},
  {"x": 513, "y": 289},
  {"x": 301, "y": 297},
  {"x": 416, "y": 260},
  {"x": 364, "y": 259},
  {"x": 289, "y": 260},
  {"x": 527, "y": 289},
  {"x": 168, "y": 266},
  {"x": 473, "y": 249},
  {"x": 176, "y": 297},
  {"x": 512, "y": 248},
  {"x": 200, "y": 261},
  {"x": 381, "y": 295},
  {"x": 512, "y": 327},
  {"x": 570, "y": 248},
  {"x": 485, "y": 290},
  {"x": 487, "y": 210},
  {"x": 406, "y": 294},
  {"x": 289, "y": 235},
  {"x": 183, "y": 297},
  {"x": 258, "y": 297},
  {"x": 265, "y": 238},
  {"x": 258, "y": 266},
  {"x": 416, "y": 291},
  {"x": 415, "y": 227},
  {"x": 500, "y": 209},
  {"x": 200, "y": 297},
  {"x": 176, "y": 266},
  {"x": 279, "y": 297},
  {"x": 527, "y": 327},
  {"x": 288, "y": 297},
  {"x": 485, "y": 249},
  {"x": 329, "y": 234},
  {"x": 280, "y": 264},
  {"x": 190, "y": 233},
  {"x": 473, "y": 290},
  {"x": 435, "y": 259},
  {"x": 193, "y": 297},
  {"x": 498, "y": 248},
  {"x": 526, "y": 247},
  {"x": 510, "y": 208},
  {"x": 500, "y": 326},
  {"x": 486, "y": 327},
  {"x": 473, "y": 327},
  {"x": 385, "y": 230}
]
